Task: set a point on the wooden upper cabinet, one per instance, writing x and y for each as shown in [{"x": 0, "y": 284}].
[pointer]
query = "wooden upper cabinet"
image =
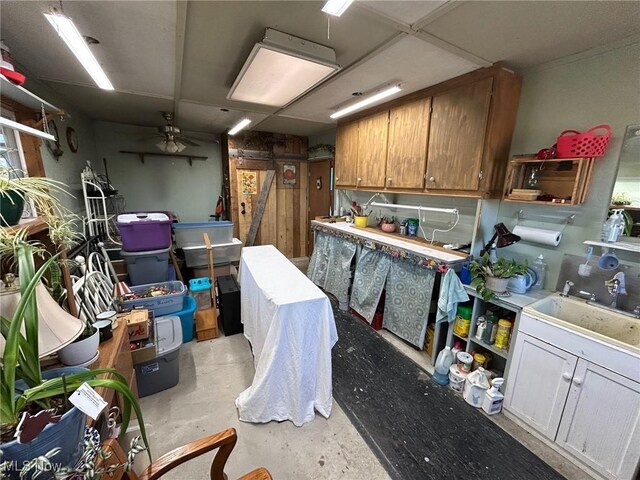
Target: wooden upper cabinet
[
  {"x": 346, "y": 160},
  {"x": 407, "y": 153},
  {"x": 372, "y": 150},
  {"x": 457, "y": 137}
]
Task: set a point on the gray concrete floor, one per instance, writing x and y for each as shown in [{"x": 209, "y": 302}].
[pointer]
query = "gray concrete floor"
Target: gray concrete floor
[{"x": 212, "y": 375}]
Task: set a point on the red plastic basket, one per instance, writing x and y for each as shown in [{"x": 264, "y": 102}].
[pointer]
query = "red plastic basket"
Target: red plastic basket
[{"x": 587, "y": 144}]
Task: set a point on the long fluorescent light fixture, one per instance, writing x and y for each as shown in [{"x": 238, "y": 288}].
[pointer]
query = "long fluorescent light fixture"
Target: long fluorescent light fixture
[
  {"x": 28, "y": 130},
  {"x": 281, "y": 68},
  {"x": 387, "y": 92},
  {"x": 239, "y": 126},
  {"x": 66, "y": 29},
  {"x": 336, "y": 7}
]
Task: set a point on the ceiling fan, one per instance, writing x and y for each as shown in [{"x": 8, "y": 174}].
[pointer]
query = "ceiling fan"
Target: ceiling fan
[{"x": 172, "y": 140}]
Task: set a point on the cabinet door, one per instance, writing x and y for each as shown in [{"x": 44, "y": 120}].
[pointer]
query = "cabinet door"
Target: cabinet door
[
  {"x": 601, "y": 421},
  {"x": 407, "y": 153},
  {"x": 539, "y": 380},
  {"x": 372, "y": 150},
  {"x": 456, "y": 141},
  {"x": 346, "y": 161}
]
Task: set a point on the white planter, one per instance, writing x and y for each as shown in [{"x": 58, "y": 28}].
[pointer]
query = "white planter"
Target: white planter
[
  {"x": 498, "y": 285},
  {"x": 77, "y": 353}
]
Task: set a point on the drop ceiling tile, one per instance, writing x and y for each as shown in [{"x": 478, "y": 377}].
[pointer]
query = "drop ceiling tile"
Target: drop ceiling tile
[
  {"x": 220, "y": 36},
  {"x": 412, "y": 62},
  {"x": 210, "y": 118},
  {"x": 535, "y": 32},
  {"x": 136, "y": 49},
  {"x": 408, "y": 12}
]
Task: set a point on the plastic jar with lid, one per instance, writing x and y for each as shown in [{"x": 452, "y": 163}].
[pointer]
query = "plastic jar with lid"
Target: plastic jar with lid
[
  {"x": 504, "y": 331},
  {"x": 479, "y": 360},
  {"x": 462, "y": 323}
]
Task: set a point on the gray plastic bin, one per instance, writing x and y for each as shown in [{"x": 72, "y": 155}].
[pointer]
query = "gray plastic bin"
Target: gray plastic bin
[
  {"x": 162, "y": 372},
  {"x": 147, "y": 267}
]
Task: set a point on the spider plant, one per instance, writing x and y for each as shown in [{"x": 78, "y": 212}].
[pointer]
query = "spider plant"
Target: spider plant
[
  {"x": 20, "y": 359},
  {"x": 482, "y": 268}
]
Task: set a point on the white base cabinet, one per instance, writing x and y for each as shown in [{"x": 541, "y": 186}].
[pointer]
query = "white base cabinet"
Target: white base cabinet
[{"x": 589, "y": 411}]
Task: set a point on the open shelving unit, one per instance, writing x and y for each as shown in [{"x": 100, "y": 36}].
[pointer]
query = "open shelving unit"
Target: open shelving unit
[{"x": 626, "y": 246}]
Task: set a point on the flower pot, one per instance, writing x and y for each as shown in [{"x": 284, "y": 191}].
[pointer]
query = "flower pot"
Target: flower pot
[
  {"x": 11, "y": 208},
  {"x": 496, "y": 284},
  {"x": 81, "y": 351},
  {"x": 388, "y": 227},
  {"x": 66, "y": 434}
]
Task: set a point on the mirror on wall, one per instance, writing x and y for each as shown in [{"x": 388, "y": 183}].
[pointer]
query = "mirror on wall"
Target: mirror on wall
[{"x": 626, "y": 190}]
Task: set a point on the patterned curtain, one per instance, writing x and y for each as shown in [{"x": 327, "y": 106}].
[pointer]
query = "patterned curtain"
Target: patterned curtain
[
  {"x": 407, "y": 301},
  {"x": 330, "y": 265},
  {"x": 371, "y": 272}
]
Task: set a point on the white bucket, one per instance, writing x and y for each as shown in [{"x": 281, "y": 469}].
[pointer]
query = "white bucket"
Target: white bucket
[{"x": 456, "y": 379}]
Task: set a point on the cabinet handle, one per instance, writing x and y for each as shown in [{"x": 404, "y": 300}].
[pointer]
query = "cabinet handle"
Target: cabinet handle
[
  {"x": 432, "y": 179},
  {"x": 566, "y": 376},
  {"x": 358, "y": 181},
  {"x": 389, "y": 180},
  {"x": 577, "y": 381}
]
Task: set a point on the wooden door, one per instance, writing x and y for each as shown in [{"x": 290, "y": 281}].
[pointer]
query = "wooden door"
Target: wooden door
[
  {"x": 407, "y": 152},
  {"x": 346, "y": 154},
  {"x": 601, "y": 421},
  {"x": 372, "y": 150},
  {"x": 457, "y": 134},
  {"x": 320, "y": 195},
  {"x": 539, "y": 380}
]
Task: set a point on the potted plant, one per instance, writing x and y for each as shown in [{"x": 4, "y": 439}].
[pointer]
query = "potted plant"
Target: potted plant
[
  {"x": 83, "y": 349},
  {"x": 490, "y": 278},
  {"x": 388, "y": 224},
  {"x": 16, "y": 189}
]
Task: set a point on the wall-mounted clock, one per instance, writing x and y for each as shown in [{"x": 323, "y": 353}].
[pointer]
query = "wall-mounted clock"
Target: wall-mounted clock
[
  {"x": 54, "y": 146},
  {"x": 72, "y": 139}
]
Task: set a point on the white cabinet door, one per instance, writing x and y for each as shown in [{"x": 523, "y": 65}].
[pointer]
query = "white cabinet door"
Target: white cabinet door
[
  {"x": 539, "y": 380},
  {"x": 601, "y": 421}
]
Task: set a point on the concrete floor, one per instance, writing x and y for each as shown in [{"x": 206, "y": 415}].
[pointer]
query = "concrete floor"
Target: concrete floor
[{"x": 213, "y": 373}]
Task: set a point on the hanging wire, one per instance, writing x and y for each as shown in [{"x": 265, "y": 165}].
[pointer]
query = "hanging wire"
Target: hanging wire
[{"x": 45, "y": 123}]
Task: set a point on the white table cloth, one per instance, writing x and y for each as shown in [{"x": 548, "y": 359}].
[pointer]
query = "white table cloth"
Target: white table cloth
[{"x": 290, "y": 324}]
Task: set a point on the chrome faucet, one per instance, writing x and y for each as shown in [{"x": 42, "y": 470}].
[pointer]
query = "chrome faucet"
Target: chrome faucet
[{"x": 615, "y": 287}]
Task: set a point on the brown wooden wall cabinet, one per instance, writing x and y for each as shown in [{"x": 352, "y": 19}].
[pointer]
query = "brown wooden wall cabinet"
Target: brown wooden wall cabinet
[{"x": 449, "y": 139}]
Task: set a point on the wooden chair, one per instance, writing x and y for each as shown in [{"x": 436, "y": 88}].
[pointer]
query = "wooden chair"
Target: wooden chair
[{"x": 223, "y": 441}]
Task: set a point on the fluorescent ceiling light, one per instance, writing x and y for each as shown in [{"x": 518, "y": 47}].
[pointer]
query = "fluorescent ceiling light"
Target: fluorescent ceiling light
[
  {"x": 23, "y": 128},
  {"x": 336, "y": 7},
  {"x": 77, "y": 44},
  {"x": 239, "y": 126},
  {"x": 280, "y": 69},
  {"x": 387, "y": 92}
]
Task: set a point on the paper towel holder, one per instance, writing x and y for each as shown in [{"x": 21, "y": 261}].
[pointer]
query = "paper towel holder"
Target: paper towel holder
[{"x": 568, "y": 220}]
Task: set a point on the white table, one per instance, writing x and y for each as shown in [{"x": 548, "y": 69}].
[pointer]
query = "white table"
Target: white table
[{"x": 290, "y": 324}]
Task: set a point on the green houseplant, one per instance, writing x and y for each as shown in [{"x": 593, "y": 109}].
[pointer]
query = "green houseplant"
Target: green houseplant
[{"x": 490, "y": 278}]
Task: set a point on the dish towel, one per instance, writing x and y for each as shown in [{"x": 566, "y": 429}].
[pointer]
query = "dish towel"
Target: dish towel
[{"x": 451, "y": 293}]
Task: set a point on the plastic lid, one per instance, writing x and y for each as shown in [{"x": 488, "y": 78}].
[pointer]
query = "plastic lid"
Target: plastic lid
[
  {"x": 169, "y": 334},
  {"x": 504, "y": 323},
  {"x": 180, "y": 225},
  {"x": 199, "y": 284},
  {"x": 479, "y": 357},
  {"x": 464, "y": 311}
]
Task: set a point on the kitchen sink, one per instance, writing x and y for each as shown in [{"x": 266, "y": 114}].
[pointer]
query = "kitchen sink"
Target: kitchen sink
[{"x": 593, "y": 319}]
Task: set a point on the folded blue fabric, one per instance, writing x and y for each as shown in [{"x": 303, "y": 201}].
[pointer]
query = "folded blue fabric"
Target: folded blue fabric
[{"x": 452, "y": 292}]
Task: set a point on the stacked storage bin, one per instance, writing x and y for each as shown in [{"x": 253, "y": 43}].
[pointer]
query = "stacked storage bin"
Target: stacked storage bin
[
  {"x": 189, "y": 237},
  {"x": 146, "y": 242}
]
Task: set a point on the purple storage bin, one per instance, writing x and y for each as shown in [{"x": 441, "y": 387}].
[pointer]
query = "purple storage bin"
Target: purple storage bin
[{"x": 144, "y": 231}]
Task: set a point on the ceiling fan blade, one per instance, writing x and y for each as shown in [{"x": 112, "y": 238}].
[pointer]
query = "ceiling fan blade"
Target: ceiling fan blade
[{"x": 187, "y": 141}]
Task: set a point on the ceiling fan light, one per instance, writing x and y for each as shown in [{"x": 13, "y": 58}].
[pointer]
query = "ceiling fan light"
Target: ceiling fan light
[
  {"x": 67, "y": 30},
  {"x": 336, "y": 7},
  {"x": 181, "y": 146},
  {"x": 172, "y": 147},
  {"x": 162, "y": 145}
]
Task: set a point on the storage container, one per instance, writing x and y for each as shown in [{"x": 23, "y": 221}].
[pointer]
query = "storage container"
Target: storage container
[
  {"x": 200, "y": 289},
  {"x": 462, "y": 323},
  {"x": 161, "y": 305},
  {"x": 163, "y": 371},
  {"x": 190, "y": 234},
  {"x": 197, "y": 256},
  {"x": 456, "y": 378},
  {"x": 144, "y": 231},
  {"x": 229, "y": 301},
  {"x": 147, "y": 267},
  {"x": 187, "y": 315}
]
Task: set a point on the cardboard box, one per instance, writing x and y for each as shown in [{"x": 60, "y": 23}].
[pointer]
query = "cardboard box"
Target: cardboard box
[
  {"x": 137, "y": 324},
  {"x": 147, "y": 348},
  {"x": 428, "y": 343}
]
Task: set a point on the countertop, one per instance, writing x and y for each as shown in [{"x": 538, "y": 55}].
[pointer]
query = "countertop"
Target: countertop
[
  {"x": 514, "y": 300},
  {"x": 349, "y": 228}
]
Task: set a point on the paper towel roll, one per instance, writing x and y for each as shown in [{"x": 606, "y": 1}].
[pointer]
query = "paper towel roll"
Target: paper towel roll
[{"x": 538, "y": 235}]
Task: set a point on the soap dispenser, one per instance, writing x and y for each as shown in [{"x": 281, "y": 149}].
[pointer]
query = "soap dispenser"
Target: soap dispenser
[
  {"x": 493, "y": 399},
  {"x": 540, "y": 267}
]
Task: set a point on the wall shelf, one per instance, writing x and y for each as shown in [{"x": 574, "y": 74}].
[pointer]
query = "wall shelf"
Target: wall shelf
[
  {"x": 626, "y": 246},
  {"x": 24, "y": 97},
  {"x": 189, "y": 158}
]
